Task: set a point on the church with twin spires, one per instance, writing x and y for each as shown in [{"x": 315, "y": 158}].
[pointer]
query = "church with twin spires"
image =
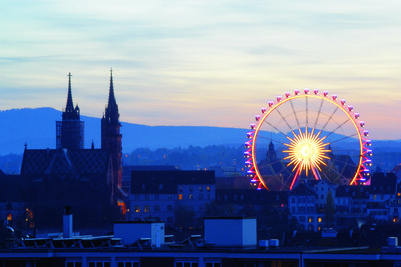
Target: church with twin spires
[{"x": 88, "y": 180}]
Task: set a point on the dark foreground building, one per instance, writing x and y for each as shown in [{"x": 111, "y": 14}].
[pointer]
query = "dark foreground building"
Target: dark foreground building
[
  {"x": 225, "y": 242},
  {"x": 88, "y": 180}
]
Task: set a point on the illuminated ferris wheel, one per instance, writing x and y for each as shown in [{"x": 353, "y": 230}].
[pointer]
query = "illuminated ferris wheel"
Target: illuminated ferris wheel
[{"x": 307, "y": 135}]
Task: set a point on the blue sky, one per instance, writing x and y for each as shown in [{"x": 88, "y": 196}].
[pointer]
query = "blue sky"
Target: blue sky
[{"x": 212, "y": 63}]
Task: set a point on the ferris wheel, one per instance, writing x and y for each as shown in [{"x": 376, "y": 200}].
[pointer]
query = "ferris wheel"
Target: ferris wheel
[{"x": 307, "y": 135}]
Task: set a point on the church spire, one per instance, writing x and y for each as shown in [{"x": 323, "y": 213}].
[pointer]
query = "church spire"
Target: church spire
[
  {"x": 70, "y": 112},
  {"x": 112, "y": 107},
  {"x": 70, "y": 106}
]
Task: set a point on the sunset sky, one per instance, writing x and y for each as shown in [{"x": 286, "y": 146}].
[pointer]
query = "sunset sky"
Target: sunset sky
[{"x": 206, "y": 63}]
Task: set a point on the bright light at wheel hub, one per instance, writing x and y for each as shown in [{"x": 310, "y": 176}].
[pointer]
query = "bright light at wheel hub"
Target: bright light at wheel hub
[{"x": 306, "y": 151}]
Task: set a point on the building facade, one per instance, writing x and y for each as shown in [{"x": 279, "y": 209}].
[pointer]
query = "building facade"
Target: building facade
[{"x": 175, "y": 196}]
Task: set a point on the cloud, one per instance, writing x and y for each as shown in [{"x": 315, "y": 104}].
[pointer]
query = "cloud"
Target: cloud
[{"x": 197, "y": 63}]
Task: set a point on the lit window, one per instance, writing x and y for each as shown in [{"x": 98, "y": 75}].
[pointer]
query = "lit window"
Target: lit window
[
  {"x": 208, "y": 188},
  {"x": 319, "y": 220},
  {"x": 137, "y": 209},
  {"x": 179, "y": 196},
  {"x": 310, "y": 219},
  {"x": 9, "y": 217}
]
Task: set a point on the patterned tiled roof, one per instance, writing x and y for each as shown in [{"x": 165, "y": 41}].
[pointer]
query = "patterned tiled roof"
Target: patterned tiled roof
[{"x": 63, "y": 161}]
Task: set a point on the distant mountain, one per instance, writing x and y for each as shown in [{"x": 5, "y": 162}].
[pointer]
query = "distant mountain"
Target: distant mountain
[{"x": 37, "y": 128}]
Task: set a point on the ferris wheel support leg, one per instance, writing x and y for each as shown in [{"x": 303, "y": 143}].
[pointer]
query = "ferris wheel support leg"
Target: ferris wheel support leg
[
  {"x": 316, "y": 174},
  {"x": 295, "y": 177}
]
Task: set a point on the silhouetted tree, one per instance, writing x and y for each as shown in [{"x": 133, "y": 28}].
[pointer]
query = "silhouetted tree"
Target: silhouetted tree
[{"x": 330, "y": 209}]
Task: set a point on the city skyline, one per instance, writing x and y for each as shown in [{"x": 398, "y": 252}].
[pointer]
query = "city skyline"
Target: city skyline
[{"x": 202, "y": 64}]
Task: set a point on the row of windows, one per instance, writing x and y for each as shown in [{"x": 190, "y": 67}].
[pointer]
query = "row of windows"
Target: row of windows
[
  {"x": 309, "y": 209},
  {"x": 196, "y": 264},
  {"x": 156, "y": 208},
  {"x": 310, "y": 219},
  {"x": 103, "y": 264},
  {"x": 303, "y": 200},
  {"x": 241, "y": 197},
  {"x": 191, "y": 188},
  {"x": 191, "y": 196},
  {"x": 153, "y": 196},
  {"x": 136, "y": 264}
]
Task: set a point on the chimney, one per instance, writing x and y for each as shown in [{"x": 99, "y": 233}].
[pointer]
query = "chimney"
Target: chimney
[{"x": 67, "y": 222}]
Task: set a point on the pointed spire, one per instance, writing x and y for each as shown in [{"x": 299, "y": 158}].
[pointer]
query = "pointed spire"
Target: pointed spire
[
  {"x": 70, "y": 106},
  {"x": 70, "y": 112},
  {"x": 112, "y": 99},
  {"x": 112, "y": 107}
]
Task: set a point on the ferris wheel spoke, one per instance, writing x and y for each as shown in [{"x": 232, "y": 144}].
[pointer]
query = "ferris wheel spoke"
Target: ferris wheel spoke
[
  {"x": 329, "y": 119},
  {"x": 295, "y": 114},
  {"x": 284, "y": 119},
  {"x": 275, "y": 128},
  {"x": 338, "y": 127},
  {"x": 334, "y": 170},
  {"x": 318, "y": 113},
  {"x": 344, "y": 138},
  {"x": 270, "y": 138},
  {"x": 306, "y": 108},
  {"x": 270, "y": 164},
  {"x": 289, "y": 178}
]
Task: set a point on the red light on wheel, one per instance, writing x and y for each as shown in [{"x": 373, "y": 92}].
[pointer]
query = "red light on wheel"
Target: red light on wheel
[
  {"x": 316, "y": 91},
  {"x": 325, "y": 93},
  {"x": 362, "y": 123},
  {"x": 287, "y": 94},
  {"x": 306, "y": 91},
  {"x": 356, "y": 115},
  {"x": 252, "y": 126},
  {"x": 257, "y": 117},
  {"x": 350, "y": 108},
  {"x": 271, "y": 103},
  {"x": 263, "y": 110},
  {"x": 296, "y": 91},
  {"x": 334, "y": 97},
  {"x": 342, "y": 102},
  {"x": 278, "y": 98}
]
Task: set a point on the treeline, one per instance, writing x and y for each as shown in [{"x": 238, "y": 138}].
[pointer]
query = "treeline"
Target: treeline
[
  {"x": 191, "y": 158},
  {"x": 11, "y": 164}
]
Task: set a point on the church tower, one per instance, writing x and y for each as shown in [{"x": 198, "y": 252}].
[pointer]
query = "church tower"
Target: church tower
[
  {"x": 70, "y": 131},
  {"x": 111, "y": 138}
]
